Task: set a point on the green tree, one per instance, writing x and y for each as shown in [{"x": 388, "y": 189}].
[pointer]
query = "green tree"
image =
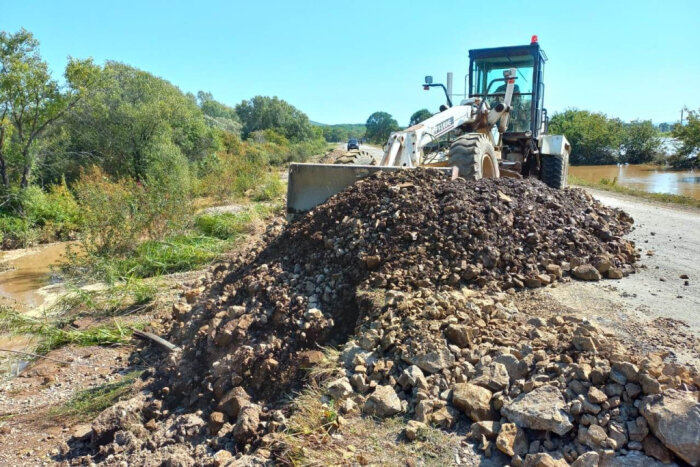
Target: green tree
[
  {"x": 595, "y": 139},
  {"x": 218, "y": 115},
  {"x": 31, "y": 101},
  {"x": 271, "y": 113},
  {"x": 419, "y": 115},
  {"x": 640, "y": 142},
  {"x": 664, "y": 127},
  {"x": 689, "y": 137},
  {"x": 134, "y": 121},
  {"x": 379, "y": 126}
]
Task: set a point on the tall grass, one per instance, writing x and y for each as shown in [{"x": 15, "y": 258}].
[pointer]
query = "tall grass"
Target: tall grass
[{"x": 53, "y": 334}]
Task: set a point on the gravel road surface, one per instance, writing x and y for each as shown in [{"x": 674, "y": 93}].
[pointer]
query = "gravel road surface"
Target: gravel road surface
[{"x": 656, "y": 301}]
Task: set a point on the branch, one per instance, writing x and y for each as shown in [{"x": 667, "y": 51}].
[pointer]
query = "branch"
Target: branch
[{"x": 158, "y": 340}]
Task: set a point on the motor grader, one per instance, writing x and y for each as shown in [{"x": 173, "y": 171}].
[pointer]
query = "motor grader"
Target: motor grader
[{"x": 499, "y": 129}]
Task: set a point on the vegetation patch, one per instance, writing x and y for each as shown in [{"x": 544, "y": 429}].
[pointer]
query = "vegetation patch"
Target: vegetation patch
[
  {"x": 368, "y": 441},
  {"x": 53, "y": 334},
  {"x": 128, "y": 297}
]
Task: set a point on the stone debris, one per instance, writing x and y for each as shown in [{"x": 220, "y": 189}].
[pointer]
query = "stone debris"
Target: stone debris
[
  {"x": 411, "y": 277},
  {"x": 674, "y": 418},
  {"x": 540, "y": 409}
]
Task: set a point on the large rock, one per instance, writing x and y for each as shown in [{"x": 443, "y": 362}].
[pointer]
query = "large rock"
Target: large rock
[
  {"x": 517, "y": 369},
  {"x": 121, "y": 416},
  {"x": 543, "y": 460},
  {"x": 247, "y": 423},
  {"x": 539, "y": 409},
  {"x": 459, "y": 335},
  {"x": 632, "y": 459},
  {"x": 586, "y": 272},
  {"x": 493, "y": 376},
  {"x": 473, "y": 400},
  {"x": 413, "y": 376},
  {"x": 512, "y": 440},
  {"x": 674, "y": 418},
  {"x": 233, "y": 401},
  {"x": 432, "y": 360},
  {"x": 340, "y": 388},
  {"x": 587, "y": 459},
  {"x": 383, "y": 402}
]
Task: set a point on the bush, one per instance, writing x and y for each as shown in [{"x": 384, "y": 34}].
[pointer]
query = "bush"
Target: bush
[
  {"x": 232, "y": 175},
  {"x": 17, "y": 232},
  {"x": 270, "y": 189},
  {"x": 118, "y": 215},
  {"x": 56, "y": 213},
  {"x": 113, "y": 222}
]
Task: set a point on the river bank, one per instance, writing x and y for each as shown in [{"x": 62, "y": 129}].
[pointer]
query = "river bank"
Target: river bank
[{"x": 660, "y": 183}]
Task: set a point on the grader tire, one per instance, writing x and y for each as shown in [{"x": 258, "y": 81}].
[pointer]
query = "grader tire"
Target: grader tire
[
  {"x": 474, "y": 156},
  {"x": 555, "y": 170}
]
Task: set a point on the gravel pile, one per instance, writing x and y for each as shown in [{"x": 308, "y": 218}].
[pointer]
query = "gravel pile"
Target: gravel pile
[{"x": 411, "y": 275}]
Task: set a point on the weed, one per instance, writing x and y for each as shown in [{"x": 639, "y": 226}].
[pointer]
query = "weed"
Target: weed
[
  {"x": 87, "y": 404},
  {"x": 271, "y": 188},
  {"x": 120, "y": 299},
  {"x": 224, "y": 226},
  {"x": 53, "y": 334},
  {"x": 313, "y": 413}
]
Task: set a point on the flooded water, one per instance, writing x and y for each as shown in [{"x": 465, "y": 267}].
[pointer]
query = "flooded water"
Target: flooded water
[
  {"x": 23, "y": 286},
  {"x": 650, "y": 178},
  {"x": 29, "y": 271}
]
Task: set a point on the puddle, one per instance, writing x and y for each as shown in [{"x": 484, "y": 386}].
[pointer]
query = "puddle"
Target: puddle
[
  {"x": 27, "y": 285},
  {"x": 30, "y": 271}
]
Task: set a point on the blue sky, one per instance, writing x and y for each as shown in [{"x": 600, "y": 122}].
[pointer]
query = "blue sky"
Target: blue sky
[{"x": 341, "y": 61}]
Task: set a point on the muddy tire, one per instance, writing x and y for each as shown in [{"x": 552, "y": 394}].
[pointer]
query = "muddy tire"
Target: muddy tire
[
  {"x": 555, "y": 170},
  {"x": 356, "y": 158},
  {"x": 474, "y": 156}
]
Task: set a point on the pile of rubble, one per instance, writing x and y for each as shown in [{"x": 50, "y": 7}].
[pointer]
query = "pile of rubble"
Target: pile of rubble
[
  {"x": 411, "y": 274},
  {"x": 530, "y": 385}
]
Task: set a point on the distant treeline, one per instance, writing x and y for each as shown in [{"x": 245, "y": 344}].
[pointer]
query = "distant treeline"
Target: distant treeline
[
  {"x": 597, "y": 139},
  {"x": 342, "y": 131},
  {"x": 116, "y": 139}
]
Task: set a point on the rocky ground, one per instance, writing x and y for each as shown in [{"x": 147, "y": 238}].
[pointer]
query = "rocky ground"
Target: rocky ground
[{"x": 425, "y": 287}]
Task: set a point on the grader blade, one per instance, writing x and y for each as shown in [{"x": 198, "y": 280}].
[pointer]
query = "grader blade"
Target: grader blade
[{"x": 312, "y": 184}]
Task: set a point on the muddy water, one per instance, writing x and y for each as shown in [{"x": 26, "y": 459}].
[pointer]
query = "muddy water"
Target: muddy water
[
  {"x": 30, "y": 270},
  {"x": 23, "y": 286},
  {"x": 650, "y": 178}
]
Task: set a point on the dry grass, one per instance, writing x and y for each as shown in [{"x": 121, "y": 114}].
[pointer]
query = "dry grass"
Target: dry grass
[
  {"x": 318, "y": 436},
  {"x": 362, "y": 440}
]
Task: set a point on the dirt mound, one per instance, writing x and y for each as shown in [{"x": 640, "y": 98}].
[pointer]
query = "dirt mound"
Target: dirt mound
[
  {"x": 408, "y": 272},
  {"x": 405, "y": 231}
]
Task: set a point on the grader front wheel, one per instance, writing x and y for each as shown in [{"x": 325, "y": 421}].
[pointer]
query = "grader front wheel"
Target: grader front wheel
[{"x": 474, "y": 156}]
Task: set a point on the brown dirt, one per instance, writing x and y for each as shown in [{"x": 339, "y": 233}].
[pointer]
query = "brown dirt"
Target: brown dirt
[{"x": 393, "y": 274}]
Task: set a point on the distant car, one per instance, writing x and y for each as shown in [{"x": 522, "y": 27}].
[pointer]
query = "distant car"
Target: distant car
[{"x": 353, "y": 144}]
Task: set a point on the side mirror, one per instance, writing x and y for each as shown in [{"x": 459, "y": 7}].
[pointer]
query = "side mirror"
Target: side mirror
[{"x": 428, "y": 79}]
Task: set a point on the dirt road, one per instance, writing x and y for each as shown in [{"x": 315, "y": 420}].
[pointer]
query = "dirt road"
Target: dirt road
[{"x": 655, "y": 302}]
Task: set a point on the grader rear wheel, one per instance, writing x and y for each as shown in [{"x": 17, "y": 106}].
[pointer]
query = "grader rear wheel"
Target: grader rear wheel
[{"x": 474, "y": 156}]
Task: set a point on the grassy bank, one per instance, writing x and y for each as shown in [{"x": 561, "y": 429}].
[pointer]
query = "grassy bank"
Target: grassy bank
[{"x": 612, "y": 186}]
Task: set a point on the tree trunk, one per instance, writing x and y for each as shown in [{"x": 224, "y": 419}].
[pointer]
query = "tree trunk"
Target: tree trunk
[
  {"x": 26, "y": 173},
  {"x": 3, "y": 172}
]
